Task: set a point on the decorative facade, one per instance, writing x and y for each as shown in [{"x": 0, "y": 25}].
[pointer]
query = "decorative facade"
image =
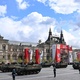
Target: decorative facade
[
  {"x": 12, "y": 51},
  {"x": 47, "y": 45}
]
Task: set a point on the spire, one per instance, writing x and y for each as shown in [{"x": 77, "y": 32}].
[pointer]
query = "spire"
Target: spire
[
  {"x": 50, "y": 33},
  {"x": 49, "y": 36},
  {"x": 61, "y": 34},
  {"x": 61, "y": 37}
]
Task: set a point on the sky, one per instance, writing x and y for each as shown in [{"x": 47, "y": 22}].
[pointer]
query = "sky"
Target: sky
[{"x": 30, "y": 20}]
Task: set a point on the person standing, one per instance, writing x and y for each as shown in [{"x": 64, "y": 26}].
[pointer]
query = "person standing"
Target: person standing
[
  {"x": 79, "y": 68},
  {"x": 54, "y": 70},
  {"x": 13, "y": 74}
]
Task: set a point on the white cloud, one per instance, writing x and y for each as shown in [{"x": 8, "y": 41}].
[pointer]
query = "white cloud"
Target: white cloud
[
  {"x": 68, "y": 37},
  {"x": 29, "y": 28},
  {"x": 34, "y": 27},
  {"x": 43, "y": 1},
  {"x": 63, "y": 7},
  {"x": 3, "y": 10},
  {"x": 22, "y": 4}
]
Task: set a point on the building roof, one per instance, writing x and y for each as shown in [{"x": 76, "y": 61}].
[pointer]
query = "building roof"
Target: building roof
[{"x": 22, "y": 43}]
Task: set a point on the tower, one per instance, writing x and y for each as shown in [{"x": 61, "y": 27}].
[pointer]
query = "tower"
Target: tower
[
  {"x": 49, "y": 36},
  {"x": 62, "y": 38}
]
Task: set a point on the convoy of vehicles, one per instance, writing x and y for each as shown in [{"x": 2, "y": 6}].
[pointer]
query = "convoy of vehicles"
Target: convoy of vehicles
[
  {"x": 62, "y": 56},
  {"x": 32, "y": 64}
]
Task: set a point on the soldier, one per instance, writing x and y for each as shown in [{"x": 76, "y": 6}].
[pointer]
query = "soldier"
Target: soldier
[
  {"x": 13, "y": 74},
  {"x": 54, "y": 70}
]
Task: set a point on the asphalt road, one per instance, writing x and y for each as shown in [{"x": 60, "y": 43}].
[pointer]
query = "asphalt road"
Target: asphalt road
[{"x": 46, "y": 74}]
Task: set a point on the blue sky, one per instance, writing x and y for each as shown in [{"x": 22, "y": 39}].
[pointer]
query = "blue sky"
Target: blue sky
[{"x": 30, "y": 20}]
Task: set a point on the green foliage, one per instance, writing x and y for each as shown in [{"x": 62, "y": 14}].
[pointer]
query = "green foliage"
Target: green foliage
[
  {"x": 33, "y": 60},
  {"x": 50, "y": 59},
  {"x": 11, "y": 60},
  {"x": 19, "y": 60},
  {"x": 44, "y": 60},
  {"x": 2, "y": 60}
]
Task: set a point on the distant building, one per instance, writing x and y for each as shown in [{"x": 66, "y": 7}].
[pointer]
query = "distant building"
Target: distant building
[{"x": 12, "y": 51}]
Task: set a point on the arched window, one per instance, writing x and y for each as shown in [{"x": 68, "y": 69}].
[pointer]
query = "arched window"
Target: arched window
[
  {"x": 21, "y": 56},
  {"x": 3, "y": 47},
  {"x": 14, "y": 56},
  {"x": 8, "y": 56}
]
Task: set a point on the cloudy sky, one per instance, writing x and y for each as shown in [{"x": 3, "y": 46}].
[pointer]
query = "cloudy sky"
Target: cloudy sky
[{"x": 30, "y": 20}]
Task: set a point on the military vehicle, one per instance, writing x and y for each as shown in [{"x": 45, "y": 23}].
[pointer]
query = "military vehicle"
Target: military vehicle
[
  {"x": 75, "y": 65},
  {"x": 29, "y": 66},
  {"x": 46, "y": 64},
  {"x": 21, "y": 69},
  {"x": 27, "y": 69},
  {"x": 8, "y": 67}
]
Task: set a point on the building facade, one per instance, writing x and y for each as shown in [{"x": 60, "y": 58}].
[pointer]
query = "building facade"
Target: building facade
[
  {"x": 47, "y": 45},
  {"x": 12, "y": 51}
]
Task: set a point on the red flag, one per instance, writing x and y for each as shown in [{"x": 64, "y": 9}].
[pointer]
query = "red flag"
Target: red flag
[
  {"x": 37, "y": 56},
  {"x": 26, "y": 55}
]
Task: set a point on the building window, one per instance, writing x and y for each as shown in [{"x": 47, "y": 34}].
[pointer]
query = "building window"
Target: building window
[
  {"x": 21, "y": 56},
  {"x": 9, "y": 56},
  {"x": 14, "y": 57},
  {"x": 4, "y": 56},
  {"x": 47, "y": 50},
  {"x": 3, "y": 47}
]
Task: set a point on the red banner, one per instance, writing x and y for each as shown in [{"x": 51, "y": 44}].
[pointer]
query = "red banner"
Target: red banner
[
  {"x": 26, "y": 55},
  {"x": 58, "y": 53},
  {"x": 70, "y": 48},
  {"x": 37, "y": 56},
  {"x": 60, "y": 50}
]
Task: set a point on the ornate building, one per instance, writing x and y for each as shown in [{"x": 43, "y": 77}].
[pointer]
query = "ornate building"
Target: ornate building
[
  {"x": 11, "y": 51},
  {"x": 3, "y": 48},
  {"x": 47, "y": 45}
]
